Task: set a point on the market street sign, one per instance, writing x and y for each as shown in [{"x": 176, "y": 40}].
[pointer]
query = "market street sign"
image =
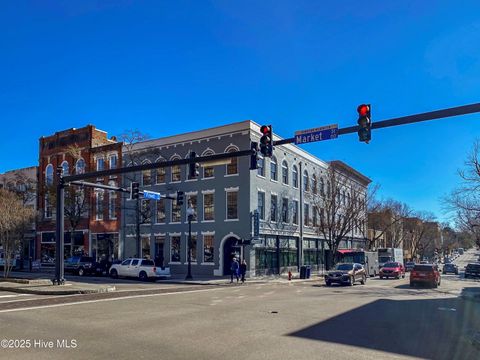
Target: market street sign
[
  {"x": 317, "y": 134},
  {"x": 151, "y": 195}
]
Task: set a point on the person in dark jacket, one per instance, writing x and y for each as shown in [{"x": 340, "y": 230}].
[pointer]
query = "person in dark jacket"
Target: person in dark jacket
[
  {"x": 243, "y": 270},
  {"x": 234, "y": 269}
]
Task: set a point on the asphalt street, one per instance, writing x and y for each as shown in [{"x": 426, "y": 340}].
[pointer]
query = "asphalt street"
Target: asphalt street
[{"x": 384, "y": 319}]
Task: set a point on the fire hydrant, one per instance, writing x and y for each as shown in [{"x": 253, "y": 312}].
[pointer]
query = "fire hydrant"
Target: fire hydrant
[{"x": 289, "y": 275}]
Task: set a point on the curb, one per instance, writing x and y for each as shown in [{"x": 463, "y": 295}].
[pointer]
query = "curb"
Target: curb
[{"x": 58, "y": 291}]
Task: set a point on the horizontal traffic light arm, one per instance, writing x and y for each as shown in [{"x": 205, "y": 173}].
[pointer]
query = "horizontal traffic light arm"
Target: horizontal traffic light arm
[
  {"x": 98, "y": 186},
  {"x": 404, "y": 120},
  {"x": 157, "y": 165}
]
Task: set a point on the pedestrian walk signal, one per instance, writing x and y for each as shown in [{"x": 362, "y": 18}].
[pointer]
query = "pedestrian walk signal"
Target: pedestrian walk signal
[
  {"x": 193, "y": 167},
  {"x": 254, "y": 157},
  {"x": 179, "y": 198}
]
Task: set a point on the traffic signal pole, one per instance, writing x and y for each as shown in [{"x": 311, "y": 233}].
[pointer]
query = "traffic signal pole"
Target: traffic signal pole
[{"x": 404, "y": 120}]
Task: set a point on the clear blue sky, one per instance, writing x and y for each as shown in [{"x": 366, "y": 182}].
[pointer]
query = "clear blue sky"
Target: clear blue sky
[{"x": 167, "y": 67}]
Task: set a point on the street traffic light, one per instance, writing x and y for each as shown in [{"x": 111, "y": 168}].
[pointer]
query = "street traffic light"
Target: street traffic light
[
  {"x": 254, "y": 157},
  {"x": 179, "y": 198},
  {"x": 266, "y": 141},
  {"x": 193, "y": 167},
  {"x": 134, "y": 190},
  {"x": 364, "y": 123}
]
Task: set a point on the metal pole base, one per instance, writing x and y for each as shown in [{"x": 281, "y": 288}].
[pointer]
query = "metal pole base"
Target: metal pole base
[
  {"x": 58, "y": 281},
  {"x": 188, "y": 277}
]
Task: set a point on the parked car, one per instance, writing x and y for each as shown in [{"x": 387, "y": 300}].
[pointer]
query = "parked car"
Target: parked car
[
  {"x": 409, "y": 266},
  {"x": 80, "y": 265},
  {"x": 143, "y": 269},
  {"x": 346, "y": 274},
  {"x": 425, "y": 274},
  {"x": 392, "y": 269},
  {"x": 472, "y": 270},
  {"x": 450, "y": 268}
]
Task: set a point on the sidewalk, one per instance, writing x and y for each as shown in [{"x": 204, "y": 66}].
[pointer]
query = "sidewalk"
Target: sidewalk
[{"x": 43, "y": 286}]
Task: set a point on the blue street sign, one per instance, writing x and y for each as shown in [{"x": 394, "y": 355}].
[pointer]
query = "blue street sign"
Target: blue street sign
[
  {"x": 317, "y": 134},
  {"x": 151, "y": 195}
]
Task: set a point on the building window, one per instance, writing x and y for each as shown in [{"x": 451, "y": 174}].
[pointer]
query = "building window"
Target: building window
[
  {"x": 146, "y": 247},
  {"x": 322, "y": 187},
  {"x": 208, "y": 171},
  {"x": 175, "y": 248},
  {"x": 112, "y": 199},
  {"x": 80, "y": 167},
  {"x": 100, "y": 164},
  {"x": 306, "y": 215},
  {"x": 273, "y": 207},
  {"x": 295, "y": 211},
  {"x": 294, "y": 177},
  {"x": 208, "y": 248},
  {"x": 285, "y": 210},
  {"x": 285, "y": 173},
  {"x": 273, "y": 169},
  {"x": 65, "y": 169},
  {"x": 192, "y": 202},
  {"x": 208, "y": 207},
  {"x": 232, "y": 205},
  {"x": 176, "y": 173},
  {"x": 112, "y": 161},
  {"x": 261, "y": 205},
  {"x": 305, "y": 181},
  {"x": 99, "y": 205},
  {"x": 261, "y": 166},
  {"x": 314, "y": 216},
  {"x": 48, "y": 207},
  {"x": 192, "y": 248},
  {"x": 160, "y": 176},
  {"x": 314, "y": 184},
  {"x": 232, "y": 168},
  {"x": 49, "y": 175},
  {"x": 176, "y": 212},
  {"x": 146, "y": 177},
  {"x": 161, "y": 211}
]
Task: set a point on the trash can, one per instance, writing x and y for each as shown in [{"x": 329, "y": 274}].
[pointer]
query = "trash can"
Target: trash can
[
  {"x": 303, "y": 272},
  {"x": 307, "y": 272}
]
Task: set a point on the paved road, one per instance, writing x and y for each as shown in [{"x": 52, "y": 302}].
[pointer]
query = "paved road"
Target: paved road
[{"x": 384, "y": 319}]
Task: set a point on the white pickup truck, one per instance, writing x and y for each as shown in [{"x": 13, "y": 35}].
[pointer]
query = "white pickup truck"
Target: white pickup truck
[{"x": 143, "y": 269}]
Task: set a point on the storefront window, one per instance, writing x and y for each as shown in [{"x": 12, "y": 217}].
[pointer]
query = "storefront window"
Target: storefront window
[{"x": 175, "y": 249}]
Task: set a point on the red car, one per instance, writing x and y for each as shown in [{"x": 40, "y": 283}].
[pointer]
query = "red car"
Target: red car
[
  {"x": 392, "y": 269},
  {"x": 425, "y": 274}
]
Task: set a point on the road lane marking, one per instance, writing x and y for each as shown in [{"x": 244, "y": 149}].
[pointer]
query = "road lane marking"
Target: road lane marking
[{"x": 105, "y": 300}]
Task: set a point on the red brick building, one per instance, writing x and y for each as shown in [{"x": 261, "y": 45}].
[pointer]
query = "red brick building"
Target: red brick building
[{"x": 92, "y": 217}]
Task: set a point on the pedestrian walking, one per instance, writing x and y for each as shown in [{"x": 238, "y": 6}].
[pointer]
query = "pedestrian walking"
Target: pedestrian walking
[
  {"x": 243, "y": 270},
  {"x": 234, "y": 269}
]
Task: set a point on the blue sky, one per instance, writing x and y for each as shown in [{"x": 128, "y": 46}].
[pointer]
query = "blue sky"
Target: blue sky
[{"x": 166, "y": 67}]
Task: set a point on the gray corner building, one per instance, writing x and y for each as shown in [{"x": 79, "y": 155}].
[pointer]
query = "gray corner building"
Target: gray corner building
[{"x": 224, "y": 197}]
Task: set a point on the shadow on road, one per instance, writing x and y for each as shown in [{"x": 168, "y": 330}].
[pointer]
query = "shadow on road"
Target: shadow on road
[{"x": 431, "y": 328}]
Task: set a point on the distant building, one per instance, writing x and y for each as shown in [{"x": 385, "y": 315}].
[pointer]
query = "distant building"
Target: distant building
[{"x": 78, "y": 151}]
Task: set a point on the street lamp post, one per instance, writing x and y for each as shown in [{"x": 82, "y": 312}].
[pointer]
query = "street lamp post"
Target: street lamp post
[{"x": 190, "y": 214}]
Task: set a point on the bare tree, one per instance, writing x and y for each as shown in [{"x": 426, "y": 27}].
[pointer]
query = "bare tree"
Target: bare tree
[
  {"x": 133, "y": 156},
  {"x": 13, "y": 217},
  {"x": 420, "y": 233},
  {"x": 385, "y": 219},
  {"x": 342, "y": 206}
]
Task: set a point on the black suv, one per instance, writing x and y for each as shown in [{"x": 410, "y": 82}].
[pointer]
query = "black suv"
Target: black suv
[
  {"x": 472, "y": 271},
  {"x": 80, "y": 265}
]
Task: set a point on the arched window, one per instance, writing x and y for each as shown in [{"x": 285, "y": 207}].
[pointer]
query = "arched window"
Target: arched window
[
  {"x": 176, "y": 171},
  {"x": 314, "y": 184},
  {"x": 208, "y": 171},
  {"x": 322, "y": 187},
  {"x": 285, "y": 172},
  {"x": 273, "y": 169},
  {"x": 65, "y": 169},
  {"x": 80, "y": 166},
  {"x": 294, "y": 176},
  {"x": 232, "y": 168},
  {"x": 160, "y": 173},
  {"x": 49, "y": 175},
  {"x": 305, "y": 181}
]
